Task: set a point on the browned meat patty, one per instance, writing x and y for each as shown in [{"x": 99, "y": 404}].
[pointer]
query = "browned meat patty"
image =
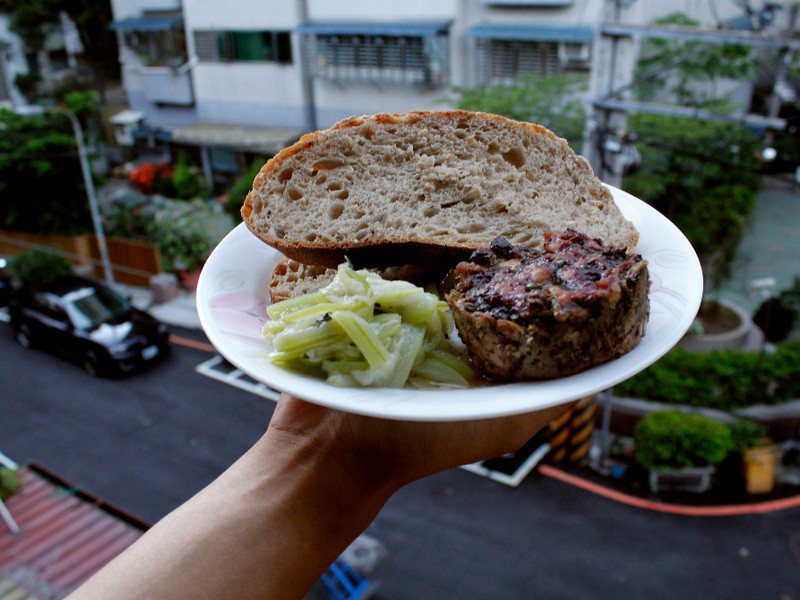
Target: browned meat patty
[{"x": 525, "y": 314}]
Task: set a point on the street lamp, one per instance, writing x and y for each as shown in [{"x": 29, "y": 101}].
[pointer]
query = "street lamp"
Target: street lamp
[{"x": 90, "y": 192}]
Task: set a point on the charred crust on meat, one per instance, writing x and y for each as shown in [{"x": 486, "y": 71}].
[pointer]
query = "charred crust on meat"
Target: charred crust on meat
[{"x": 529, "y": 314}]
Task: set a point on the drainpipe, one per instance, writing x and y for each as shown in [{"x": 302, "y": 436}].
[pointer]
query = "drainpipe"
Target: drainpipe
[{"x": 307, "y": 82}]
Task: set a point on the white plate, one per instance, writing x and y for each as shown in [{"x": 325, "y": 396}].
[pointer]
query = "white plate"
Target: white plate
[{"x": 232, "y": 296}]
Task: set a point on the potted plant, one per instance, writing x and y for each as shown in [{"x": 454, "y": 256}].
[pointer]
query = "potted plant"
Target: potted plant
[{"x": 680, "y": 449}]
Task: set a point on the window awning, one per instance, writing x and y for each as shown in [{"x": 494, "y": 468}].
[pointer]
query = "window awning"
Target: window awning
[
  {"x": 399, "y": 28},
  {"x": 269, "y": 140},
  {"x": 147, "y": 23},
  {"x": 533, "y": 33}
]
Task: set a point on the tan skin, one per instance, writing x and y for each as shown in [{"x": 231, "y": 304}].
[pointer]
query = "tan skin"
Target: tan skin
[{"x": 271, "y": 524}]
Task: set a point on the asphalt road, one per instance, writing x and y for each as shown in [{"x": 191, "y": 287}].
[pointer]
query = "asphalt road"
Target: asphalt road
[{"x": 148, "y": 442}]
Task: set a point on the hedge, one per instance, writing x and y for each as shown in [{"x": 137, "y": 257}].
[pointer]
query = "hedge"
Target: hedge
[
  {"x": 723, "y": 379},
  {"x": 671, "y": 439}
]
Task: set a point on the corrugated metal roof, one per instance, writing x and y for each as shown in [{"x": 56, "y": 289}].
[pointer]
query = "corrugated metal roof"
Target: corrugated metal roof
[
  {"x": 65, "y": 536},
  {"x": 270, "y": 140}
]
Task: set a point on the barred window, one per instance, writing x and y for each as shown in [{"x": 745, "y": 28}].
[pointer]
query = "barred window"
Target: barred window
[
  {"x": 248, "y": 46},
  {"x": 379, "y": 58},
  {"x": 504, "y": 61}
]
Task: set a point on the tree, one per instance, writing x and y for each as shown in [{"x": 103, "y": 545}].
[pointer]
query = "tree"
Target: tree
[
  {"x": 703, "y": 176},
  {"x": 32, "y": 20},
  {"x": 552, "y": 101},
  {"x": 684, "y": 64},
  {"x": 41, "y": 186}
]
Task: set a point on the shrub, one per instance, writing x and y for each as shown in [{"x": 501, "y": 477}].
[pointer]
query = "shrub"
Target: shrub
[
  {"x": 777, "y": 316},
  {"x": 36, "y": 267},
  {"x": 143, "y": 177},
  {"x": 186, "y": 181},
  {"x": 240, "y": 188},
  {"x": 671, "y": 439},
  {"x": 9, "y": 482},
  {"x": 746, "y": 434},
  {"x": 723, "y": 379}
]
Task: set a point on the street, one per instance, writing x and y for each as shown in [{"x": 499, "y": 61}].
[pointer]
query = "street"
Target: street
[{"x": 148, "y": 442}]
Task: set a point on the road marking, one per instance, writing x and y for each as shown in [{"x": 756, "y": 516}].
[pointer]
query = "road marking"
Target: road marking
[
  {"x": 515, "y": 478},
  {"x": 190, "y": 343},
  {"x": 677, "y": 509},
  {"x": 221, "y": 370}
]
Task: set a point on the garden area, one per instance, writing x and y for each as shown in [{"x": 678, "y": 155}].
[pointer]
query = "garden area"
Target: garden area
[{"x": 156, "y": 217}]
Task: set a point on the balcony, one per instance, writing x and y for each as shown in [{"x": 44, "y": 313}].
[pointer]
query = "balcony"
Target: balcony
[{"x": 167, "y": 85}]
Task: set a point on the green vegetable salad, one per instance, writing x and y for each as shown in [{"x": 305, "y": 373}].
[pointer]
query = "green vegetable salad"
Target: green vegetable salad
[{"x": 362, "y": 330}]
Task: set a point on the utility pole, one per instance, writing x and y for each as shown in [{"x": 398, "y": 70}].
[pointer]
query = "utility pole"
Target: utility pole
[{"x": 90, "y": 192}]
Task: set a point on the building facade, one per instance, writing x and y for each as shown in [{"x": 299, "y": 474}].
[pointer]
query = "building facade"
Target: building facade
[{"x": 237, "y": 76}]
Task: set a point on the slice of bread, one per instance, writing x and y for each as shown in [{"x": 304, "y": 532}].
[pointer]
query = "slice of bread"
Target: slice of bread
[
  {"x": 291, "y": 278},
  {"x": 426, "y": 186}
]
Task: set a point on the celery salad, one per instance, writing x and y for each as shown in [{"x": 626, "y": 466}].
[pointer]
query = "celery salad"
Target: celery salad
[{"x": 363, "y": 330}]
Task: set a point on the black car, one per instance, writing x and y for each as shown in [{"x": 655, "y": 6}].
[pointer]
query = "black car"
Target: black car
[{"x": 88, "y": 323}]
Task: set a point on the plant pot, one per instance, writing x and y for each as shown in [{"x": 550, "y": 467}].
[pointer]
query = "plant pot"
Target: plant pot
[
  {"x": 696, "y": 480},
  {"x": 727, "y": 326},
  {"x": 759, "y": 469}
]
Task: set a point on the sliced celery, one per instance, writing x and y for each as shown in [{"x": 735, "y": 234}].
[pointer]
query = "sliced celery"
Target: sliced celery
[
  {"x": 277, "y": 310},
  {"x": 436, "y": 370},
  {"x": 363, "y": 330},
  {"x": 406, "y": 350},
  {"x": 363, "y": 336},
  {"x": 452, "y": 361}
]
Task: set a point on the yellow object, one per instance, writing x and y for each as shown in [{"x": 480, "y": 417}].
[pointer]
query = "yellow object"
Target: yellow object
[{"x": 759, "y": 466}]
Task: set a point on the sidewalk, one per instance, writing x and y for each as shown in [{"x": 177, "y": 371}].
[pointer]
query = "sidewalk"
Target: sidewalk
[{"x": 180, "y": 311}]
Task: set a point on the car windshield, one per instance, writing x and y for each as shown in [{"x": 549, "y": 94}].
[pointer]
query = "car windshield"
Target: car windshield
[{"x": 88, "y": 307}]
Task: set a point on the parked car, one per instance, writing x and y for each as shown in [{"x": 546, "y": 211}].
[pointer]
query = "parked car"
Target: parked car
[{"x": 88, "y": 323}]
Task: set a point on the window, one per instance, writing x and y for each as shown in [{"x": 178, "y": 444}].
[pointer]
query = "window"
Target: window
[
  {"x": 380, "y": 58},
  {"x": 166, "y": 47},
  {"x": 505, "y": 60},
  {"x": 247, "y": 46}
]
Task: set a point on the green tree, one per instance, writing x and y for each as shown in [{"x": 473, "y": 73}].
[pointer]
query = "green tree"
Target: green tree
[
  {"x": 678, "y": 65},
  {"x": 240, "y": 188},
  {"x": 32, "y": 20},
  {"x": 41, "y": 185},
  {"x": 703, "y": 176},
  {"x": 553, "y": 101}
]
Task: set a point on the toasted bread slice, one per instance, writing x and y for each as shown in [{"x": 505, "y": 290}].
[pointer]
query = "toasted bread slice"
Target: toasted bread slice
[{"x": 426, "y": 186}]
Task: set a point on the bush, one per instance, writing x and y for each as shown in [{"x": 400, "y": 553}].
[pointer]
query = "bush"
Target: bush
[
  {"x": 723, "y": 379},
  {"x": 671, "y": 439},
  {"x": 36, "y": 267},
  {"x": 186, "y": 181},
  {"x": 746, "y": 434},
  {"x": 9, "y": 482},
  {"x": 777, "y": 316},
  {"x": 240, "y": 188}
]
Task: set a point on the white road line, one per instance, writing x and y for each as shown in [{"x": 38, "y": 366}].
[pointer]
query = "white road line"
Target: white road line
[{"x": 235, "y": 377}]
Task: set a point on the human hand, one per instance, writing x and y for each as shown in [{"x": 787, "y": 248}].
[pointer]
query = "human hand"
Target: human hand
[{"x": 387, "y": 454}]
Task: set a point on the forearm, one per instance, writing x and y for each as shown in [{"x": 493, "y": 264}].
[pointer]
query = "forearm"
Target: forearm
[{"x": 267, "y": 528}]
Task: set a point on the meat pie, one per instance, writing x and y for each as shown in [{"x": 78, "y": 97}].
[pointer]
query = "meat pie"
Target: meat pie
[{"x": 529, "y": 314}]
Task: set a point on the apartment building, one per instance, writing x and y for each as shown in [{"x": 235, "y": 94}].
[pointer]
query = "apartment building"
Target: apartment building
[{"x": 237, "y": 78}]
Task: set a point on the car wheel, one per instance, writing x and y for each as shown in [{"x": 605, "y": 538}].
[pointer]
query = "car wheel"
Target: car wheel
[
  {"x": 23, "y": 335},
  {"x": 91, "y": 365}
]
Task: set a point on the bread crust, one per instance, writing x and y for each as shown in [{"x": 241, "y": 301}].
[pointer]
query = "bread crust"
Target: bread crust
[{"x": 399, "y": 246}]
